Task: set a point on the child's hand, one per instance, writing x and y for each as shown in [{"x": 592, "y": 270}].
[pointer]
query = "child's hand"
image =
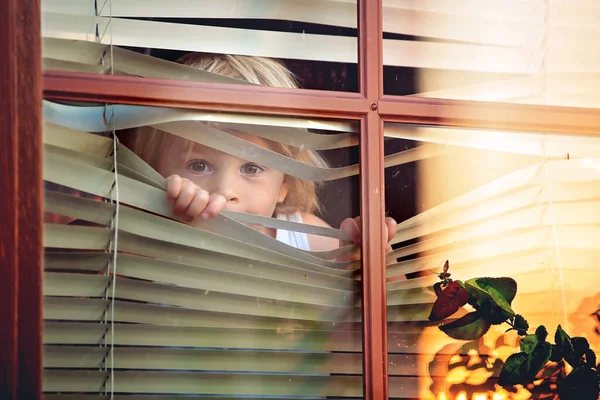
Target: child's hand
[
  {"x": 353, "y": 227},
  {"x": 190, "y": 201}
]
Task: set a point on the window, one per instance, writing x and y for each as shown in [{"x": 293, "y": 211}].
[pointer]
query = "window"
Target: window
[
  {"x": 137, "y": 302},
  {"x": 515, "y": 52},
  {"x": 492, "y": 203},
  {"x": 352, "y": 64}
]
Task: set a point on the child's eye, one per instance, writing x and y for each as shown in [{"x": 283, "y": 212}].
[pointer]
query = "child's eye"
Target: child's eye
[
  {"x": 198, "y": 166},
  {"x": 251, "y": 169}
]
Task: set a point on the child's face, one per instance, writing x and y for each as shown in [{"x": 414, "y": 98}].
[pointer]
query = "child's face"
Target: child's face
[{"x": 248, "y": 187}]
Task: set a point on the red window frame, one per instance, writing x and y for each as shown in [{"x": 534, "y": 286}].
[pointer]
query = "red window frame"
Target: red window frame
[{"x": 22, "y": 83}]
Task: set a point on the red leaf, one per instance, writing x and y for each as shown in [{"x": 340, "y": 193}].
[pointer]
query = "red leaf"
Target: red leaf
[{"x": 453, "y": 297}]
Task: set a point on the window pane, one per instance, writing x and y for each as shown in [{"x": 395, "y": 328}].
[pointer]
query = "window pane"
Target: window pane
[
  {"x": 493, "y": 204},
  {"x": 511, "y": 51},
  {"x": 316, "y": 40},
  {"x": 143, "y": 295}
]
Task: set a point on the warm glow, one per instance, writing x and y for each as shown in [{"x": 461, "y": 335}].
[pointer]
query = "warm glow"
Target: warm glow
[
  {"x": 442, "y": 396},
  {"x": 461, "y": 396},
  {"x": 568, "y": 368},
  {"x": 480, "y": 396},
  {"x": 499, "y": 396}
]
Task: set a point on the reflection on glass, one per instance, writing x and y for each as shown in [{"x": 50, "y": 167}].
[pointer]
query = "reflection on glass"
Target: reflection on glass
[
  {"x": 228, "y": 280},
  {"x": 512, "y": 51},
  {"x": 316, "y": 40},
  {"x": 494, "y": 204}
]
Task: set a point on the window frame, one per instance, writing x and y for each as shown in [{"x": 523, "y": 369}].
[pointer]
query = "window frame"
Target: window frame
[{"x": 21, "y": 84}]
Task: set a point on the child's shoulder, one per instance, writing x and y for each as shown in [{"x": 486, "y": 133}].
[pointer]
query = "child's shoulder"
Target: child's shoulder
[
  {"x": 312, "y": 219},
  {"x": 319, "y": 243}
]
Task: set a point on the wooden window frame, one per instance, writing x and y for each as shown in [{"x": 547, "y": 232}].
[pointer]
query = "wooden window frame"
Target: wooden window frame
[{"x": 21, "y": 86}]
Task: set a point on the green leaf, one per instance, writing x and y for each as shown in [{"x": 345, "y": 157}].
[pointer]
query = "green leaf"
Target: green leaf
[
  {"x": 580, "y": 346},
  {"x": 563, "y": 342},
  {"x": 468, "y": 327},
  {"x": 562, "y": 339},
  {"x": 507, "y": 287},
  {"x": 522, "y": 367},
  {"x": 521, "y": 323},
  {"x": 514, "y": 371},
  {"x": 473, "y": 295},
  {"x": 538, "y": 358},
  {"x": 590, "y": 358},
  {"x": 556, "y": 355},
  {"x": 496, "y": 291},
  {"x": 581, "y": 384},
  {"x": 542, "y": 333},
  {"x": 528, "y": 343}
]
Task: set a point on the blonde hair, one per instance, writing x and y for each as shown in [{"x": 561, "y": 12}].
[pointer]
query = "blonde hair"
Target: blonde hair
[{"x": 302, "y": 193}]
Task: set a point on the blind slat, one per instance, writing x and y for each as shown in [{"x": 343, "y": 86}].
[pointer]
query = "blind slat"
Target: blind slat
[
  {"x": 94, "y": 309},
  {"x": 327, "y": 306},
  {"x": 581, "y": 237},
  {"x": 208, "y": 277},
  {"x": 74, "y": 357},
  {"x": 87, "y": 52},
  {"x": 186, "y": 382},
  {"x": 278, "y": 336},
  {"x": 203, "y": 360},
  {"x": 534, "y": 144},
  {"x": 208, "y": 272},
  {"x": 292, "y": 131},
  {"x": 267, "y": 335}
]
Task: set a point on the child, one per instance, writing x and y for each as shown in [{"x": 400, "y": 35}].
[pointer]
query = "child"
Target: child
[{"x": 202, "y": 182}]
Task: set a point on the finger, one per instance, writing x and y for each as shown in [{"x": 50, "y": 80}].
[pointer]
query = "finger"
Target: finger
[
  {"x": 216, "y": 204},
  {"x": 197, "y": 205},
  {"x": 391, "y": 226},
  {"x": 351, "y": 226},
  {"x": 183, "y": 200},
  {"x": 174, "y": 184}
]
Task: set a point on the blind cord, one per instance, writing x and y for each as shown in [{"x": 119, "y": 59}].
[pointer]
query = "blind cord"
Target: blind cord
[
  {"x": 116, "y": 224},
  {"x": 116, "y": 201}
]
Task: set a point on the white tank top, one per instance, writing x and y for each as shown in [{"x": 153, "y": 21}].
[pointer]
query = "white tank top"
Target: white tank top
[{"x": 298, "y": 240}]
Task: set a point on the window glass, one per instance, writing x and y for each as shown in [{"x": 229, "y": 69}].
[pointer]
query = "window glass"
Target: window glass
[
  {"x": 493, "y": 205},
  {"x": 539, "y": 52},
  {"x": 316, "y": 40},
  {"x": 198, "y": 254}
]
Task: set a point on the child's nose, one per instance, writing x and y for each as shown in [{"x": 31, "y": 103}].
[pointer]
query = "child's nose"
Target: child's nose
[
  {"x": 229, "y": 195},
  {"x": 227, "y": 188}
]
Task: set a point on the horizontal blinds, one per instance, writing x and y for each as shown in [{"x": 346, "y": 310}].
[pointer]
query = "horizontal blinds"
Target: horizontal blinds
[
  {"x": 213, "y": 309},
  {"x": 518, "y": 51},
  {"x": 417, "y": 54},
  {"x": 502, "y": 204},
  {"x": 481, "y": 31}
]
